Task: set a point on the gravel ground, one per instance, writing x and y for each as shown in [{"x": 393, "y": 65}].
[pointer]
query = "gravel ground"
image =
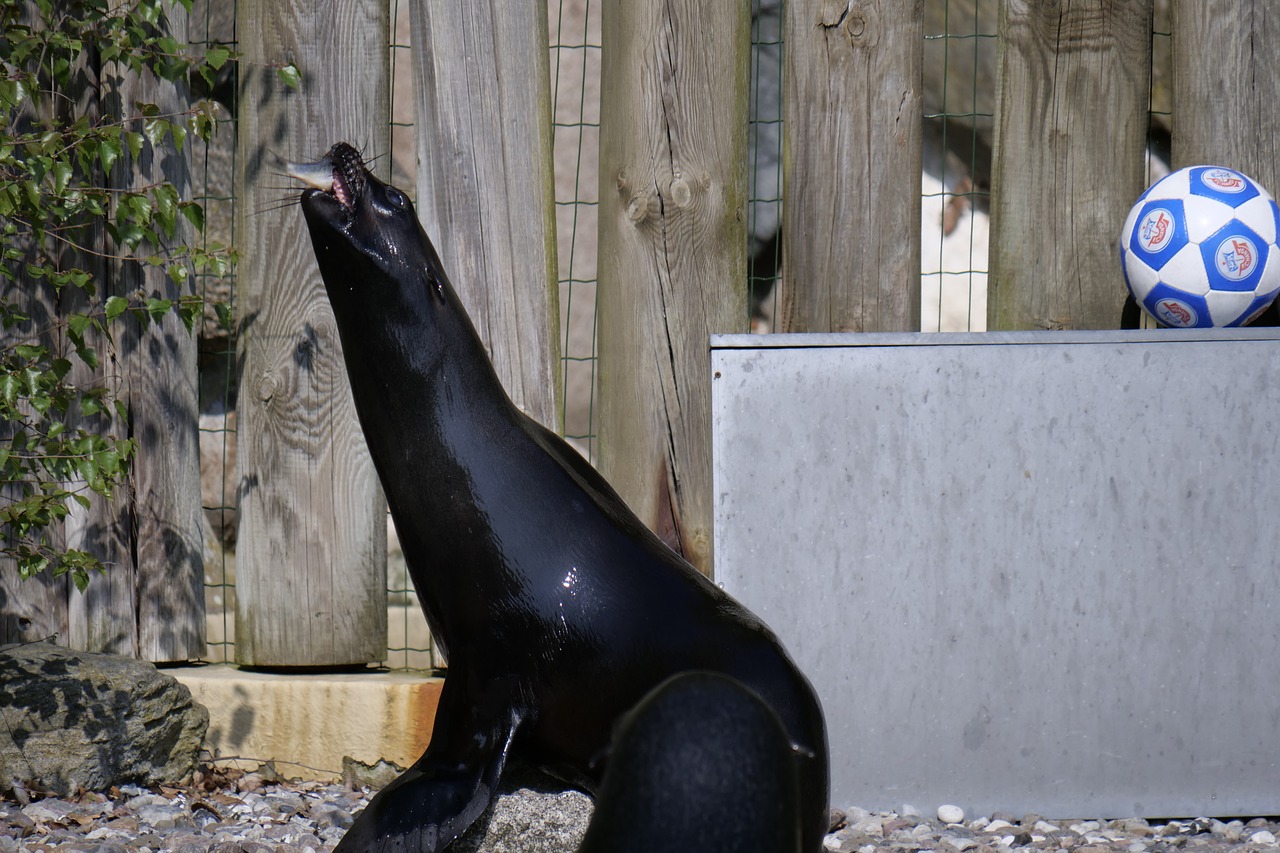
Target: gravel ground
[{"x": 234, "y": 812}]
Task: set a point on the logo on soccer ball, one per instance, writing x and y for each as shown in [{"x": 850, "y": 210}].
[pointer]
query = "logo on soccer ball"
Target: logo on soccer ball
[
  {"x": 1155, "y": 230},
  {"x": 1175, "y": 312},
  {"x": 1223, "y": 180},
  {"x": 1235, "y": 257}
]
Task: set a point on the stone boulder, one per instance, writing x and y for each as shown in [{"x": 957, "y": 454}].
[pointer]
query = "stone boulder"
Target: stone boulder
[
  {"x": 72, "y": 719},
  {"x": 533, "y": 813}
]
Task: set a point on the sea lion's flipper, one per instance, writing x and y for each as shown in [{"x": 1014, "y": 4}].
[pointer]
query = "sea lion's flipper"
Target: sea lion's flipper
[{"x": 447, "y": 789}]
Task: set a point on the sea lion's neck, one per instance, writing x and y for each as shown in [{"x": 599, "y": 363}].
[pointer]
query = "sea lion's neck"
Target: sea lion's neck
[{"x": 434, "y": 416}]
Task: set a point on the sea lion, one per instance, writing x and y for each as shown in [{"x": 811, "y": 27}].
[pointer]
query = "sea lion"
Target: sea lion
[
  {"x": 700, "y": 764},
  {"x": 557, "y": 608}
]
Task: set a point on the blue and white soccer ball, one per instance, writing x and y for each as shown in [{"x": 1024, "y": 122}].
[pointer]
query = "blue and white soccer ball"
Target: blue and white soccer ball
[{"x": 1199, "y": 248}]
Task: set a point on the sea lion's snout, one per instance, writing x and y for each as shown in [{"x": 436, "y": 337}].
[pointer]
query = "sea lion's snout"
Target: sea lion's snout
[{"x": 340, "y": 173}]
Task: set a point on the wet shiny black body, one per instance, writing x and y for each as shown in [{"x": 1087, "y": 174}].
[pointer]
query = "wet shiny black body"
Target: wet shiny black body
[
  {"x": 700, "y": 764},
  {"x": 558, "y": 610}
]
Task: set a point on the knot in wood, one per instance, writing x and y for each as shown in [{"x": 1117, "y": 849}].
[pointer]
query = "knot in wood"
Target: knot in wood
[
  {"x": 638, "y": 208},
  {"x": 681, "y": 192},
  {"x": 267, "y": 387},
  {"x": 855, "y": 25}
]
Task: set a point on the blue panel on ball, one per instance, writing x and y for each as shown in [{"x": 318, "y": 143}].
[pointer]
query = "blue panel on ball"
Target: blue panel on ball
[
  {"x": 1161, "y": 230},
  {"x": 1234, "y": 257},
  {"x": 1225, "y": 185},
  {"x": 1177, "y": 309}
]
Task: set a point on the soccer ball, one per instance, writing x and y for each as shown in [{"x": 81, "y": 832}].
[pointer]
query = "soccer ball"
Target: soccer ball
[{"x": 1199, "y": 248}]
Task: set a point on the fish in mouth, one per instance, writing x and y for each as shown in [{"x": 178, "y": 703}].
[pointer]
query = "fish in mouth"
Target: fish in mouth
[{"x": 340, "y": 173}]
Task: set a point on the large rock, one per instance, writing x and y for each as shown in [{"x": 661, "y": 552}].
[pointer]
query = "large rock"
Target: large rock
[
  {"x": 533, "y": 813},
  {"x": 78, "y": 719}
]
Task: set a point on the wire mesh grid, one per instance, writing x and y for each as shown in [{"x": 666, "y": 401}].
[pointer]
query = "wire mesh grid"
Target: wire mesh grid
[
  {"x": 213, "y": 165},
  {"x": 574, "y": 34},
  {"x": 959, "y": 72}
]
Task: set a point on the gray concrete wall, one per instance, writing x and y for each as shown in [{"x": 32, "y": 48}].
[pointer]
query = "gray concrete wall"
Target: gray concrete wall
[{"x": 1028, "y": 572}]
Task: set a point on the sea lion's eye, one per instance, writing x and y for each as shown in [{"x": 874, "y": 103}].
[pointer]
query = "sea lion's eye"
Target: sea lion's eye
[{"x": 397, "y": 199}]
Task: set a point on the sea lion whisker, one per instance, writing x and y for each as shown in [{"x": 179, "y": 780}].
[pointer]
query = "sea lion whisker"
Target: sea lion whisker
[{"x": 275, "y": 204}]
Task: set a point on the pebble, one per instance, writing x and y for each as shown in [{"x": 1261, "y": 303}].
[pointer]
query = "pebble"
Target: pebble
[{"x": 252, "y": 815}]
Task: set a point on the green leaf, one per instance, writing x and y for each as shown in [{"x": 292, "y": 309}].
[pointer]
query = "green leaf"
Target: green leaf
[
  {"x": 157, "y": 308},
  {"x": 109, "y": 150},
  {"x": 116, "y": 306},
  {"x": 9, "y": 388},
  {"x": 194, "y": 214},
  {"x": 216, "y": 56},
  {"x": 290, "y": 76},
  {"x": 78, "y": 323},
  {"x": 61, "y": 175},
  {"x": 189, "y": 309},
  {"x": 166, "y": 202},
  {"x": 155, "y": 129},
  {"x": 80, "y": 578},
  {"x": 133, "y": 141}
]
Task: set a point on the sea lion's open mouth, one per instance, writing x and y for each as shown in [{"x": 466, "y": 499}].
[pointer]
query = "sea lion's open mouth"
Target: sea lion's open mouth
[{"x": 340, "y": 173}]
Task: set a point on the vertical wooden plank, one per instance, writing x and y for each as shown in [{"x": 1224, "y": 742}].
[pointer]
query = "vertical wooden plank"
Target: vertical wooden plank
[
  {"x": 851, "y": 168},
  {"x": 1071, "y": 123},
  {"x": 150, "y": 604},
  {"x": 36, "y": 609},
  {"x": 164, "y": 405},
  {"x": 1226, "y": 81},
  {"x": 311, "y": 558},
  {"x": 485, "y": 182},
  {"x": 672, "y": 265}
]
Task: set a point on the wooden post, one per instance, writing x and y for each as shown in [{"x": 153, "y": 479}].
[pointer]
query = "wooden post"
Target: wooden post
[
  {"x": 311, "y": 557},
  {"x": 851, "y": 174},
  {"x": 1071, "y": 123},
  {"x": 485, "y": 181},
  {"x": 1225, "y": 83},
  {"x": 672, "y": 264}
]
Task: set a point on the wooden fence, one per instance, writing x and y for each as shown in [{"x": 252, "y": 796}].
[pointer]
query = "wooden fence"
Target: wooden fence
[{"x": 1070, "y": 119}]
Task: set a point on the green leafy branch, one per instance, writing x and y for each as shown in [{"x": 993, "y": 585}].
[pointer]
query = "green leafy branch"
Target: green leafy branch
[{"x": 69, "y": 205}]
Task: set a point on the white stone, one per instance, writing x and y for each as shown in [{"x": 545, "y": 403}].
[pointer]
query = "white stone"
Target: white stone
[
  {"x": 869, "y": 826},
  {"x": 1084, "y": 826},
  {"x": 997, "y": 825},
  {"x": 831, "y": 842},
  {"x": 1044, "y": 826},
  {"x": 1262, "y": 837},
  {"x": 950, "y": 814}
]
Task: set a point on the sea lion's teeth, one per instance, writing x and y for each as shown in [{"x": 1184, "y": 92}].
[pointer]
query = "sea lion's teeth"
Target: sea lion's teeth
[
  {"x": 340, "y": 191},
  {"x": 318, "y": 175}
]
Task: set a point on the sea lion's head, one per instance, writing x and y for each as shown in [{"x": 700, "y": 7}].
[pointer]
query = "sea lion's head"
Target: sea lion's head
[{"x": 362, "y": 229}]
